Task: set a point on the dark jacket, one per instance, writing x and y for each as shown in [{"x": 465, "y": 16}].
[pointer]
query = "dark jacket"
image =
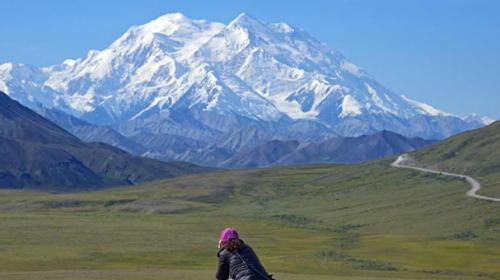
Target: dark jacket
[{"x": 230, "y": 264}]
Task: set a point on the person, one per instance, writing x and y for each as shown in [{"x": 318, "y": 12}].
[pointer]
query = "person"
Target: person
[{"x": 237, "y": 259}]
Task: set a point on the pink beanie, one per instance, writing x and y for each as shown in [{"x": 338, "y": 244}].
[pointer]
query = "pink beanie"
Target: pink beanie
[{"x": 229, "y": 233}]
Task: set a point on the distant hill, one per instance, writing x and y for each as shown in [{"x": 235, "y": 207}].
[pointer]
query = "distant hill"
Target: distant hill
[
  {"x": 331, "y": 150},
  {"x": 90, "y": 132},
  {"x": 36, "y": 153},
  {"x": 475, "y": 152},
  {"x": 263, "y": 155}
]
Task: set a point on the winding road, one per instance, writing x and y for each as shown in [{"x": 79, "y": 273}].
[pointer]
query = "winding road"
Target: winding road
[{"x": 476, "y": 186}]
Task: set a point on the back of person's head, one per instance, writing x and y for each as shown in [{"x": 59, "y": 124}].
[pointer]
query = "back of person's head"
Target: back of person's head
[
  {"x": 230, "y": 239},
  {"x": 233, "y": 245}
]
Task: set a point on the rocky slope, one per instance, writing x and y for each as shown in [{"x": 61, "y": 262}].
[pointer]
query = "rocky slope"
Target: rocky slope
[{"x": 36, "y": 153}]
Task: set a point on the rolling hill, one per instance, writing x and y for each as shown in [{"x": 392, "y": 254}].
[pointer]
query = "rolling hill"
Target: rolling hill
[
  {"x": 475, "y": 152},
  {"x": 36, "y": 153}
]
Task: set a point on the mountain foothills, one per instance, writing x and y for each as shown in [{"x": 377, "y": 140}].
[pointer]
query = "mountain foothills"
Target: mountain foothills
[
  {"x": 338, "y": 150},
  {"x": 35, "y": 153},
  {"x": 200, "y": 91}
]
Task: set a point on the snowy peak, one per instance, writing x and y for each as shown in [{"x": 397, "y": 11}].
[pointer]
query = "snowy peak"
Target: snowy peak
[
  {"x": 174, "y": 33},
  {"x": 245, "y": 19},
  {"x": 249, "y": 23},
  {"x": 170, "y": 19},
  {"x": 171, "y": 24},
  {"x": 180, "y": 75},
  {"x": 480, "y": 119},
  {"x": 176, "y": 26}
]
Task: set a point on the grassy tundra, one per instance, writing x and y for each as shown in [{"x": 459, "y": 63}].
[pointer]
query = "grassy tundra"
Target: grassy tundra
[{"x": 363, "y": 221}]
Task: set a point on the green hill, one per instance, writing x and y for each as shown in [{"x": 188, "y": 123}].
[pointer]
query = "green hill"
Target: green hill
[
  {"x": 475, "y": 153},
  {"x": 363, "y": 222}
]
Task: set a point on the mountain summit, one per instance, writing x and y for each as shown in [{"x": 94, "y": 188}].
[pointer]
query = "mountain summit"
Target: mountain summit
[{"x": 201, "y": 81}]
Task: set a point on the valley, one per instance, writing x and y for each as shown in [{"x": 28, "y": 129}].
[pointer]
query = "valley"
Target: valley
[{"x": 355, "y": 222}]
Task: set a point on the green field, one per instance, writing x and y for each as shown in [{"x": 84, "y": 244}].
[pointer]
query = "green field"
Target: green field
[{"x": 355, "y": 222}]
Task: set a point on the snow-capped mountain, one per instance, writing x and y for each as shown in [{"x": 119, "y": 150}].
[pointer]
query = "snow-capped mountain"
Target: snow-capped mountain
[
  {"x": 201, "y": 80},
  {"x": 478, "y": 119}
]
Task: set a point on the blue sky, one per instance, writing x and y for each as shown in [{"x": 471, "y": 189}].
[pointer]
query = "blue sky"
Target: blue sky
[{"x": 446, "y": 52}]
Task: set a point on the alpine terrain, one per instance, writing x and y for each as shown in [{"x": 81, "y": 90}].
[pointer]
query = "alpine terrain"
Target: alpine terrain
[{"x": 193, "y": 90}]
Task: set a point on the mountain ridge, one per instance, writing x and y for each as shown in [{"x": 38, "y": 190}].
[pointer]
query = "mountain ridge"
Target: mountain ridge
[
  {"x": 347, "y": 150},
  {"x": 36, "y": 153},
  {"x": 175, "y": 77}
]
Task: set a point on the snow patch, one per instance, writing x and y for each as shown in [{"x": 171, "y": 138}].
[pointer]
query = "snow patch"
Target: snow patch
[
  {"x": 70, "y": 62},
  {"x": 292, "y": 108},
  {"x": 3, "y": 87},
  {"x": 484, "y": 120},
  {"x": 425, "y": 108},
  {"x": 283, "y": 27},
  {"x": 377, "y": 100},
  {"x": 351, "y": 68},
  {"x": 487, "y": 120},
  {"x": 350, "y": 107},
  {"x": 6, "y": 68}
]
